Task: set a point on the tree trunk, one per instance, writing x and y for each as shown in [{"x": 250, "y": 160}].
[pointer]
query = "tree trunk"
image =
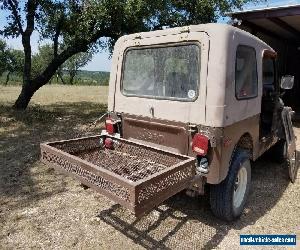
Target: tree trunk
[
  {"x": 27, "y": 88},
  {"x": 30, "y": 86},
  {"x": 25, "y": 96},
  {"x": 61, "y": 78},
  {"x": 7, "y": 78},
  {"x": 72, "y": 76}
]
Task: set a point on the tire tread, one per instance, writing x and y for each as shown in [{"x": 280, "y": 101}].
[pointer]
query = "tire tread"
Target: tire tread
[{"x": 221, "y": 194}]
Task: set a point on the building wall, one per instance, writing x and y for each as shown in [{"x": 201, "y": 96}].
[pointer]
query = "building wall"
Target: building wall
[{"x": 288, "y": 64}]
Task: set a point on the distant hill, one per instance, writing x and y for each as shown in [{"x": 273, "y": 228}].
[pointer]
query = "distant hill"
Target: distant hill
[{"x": 84, "y": 77}]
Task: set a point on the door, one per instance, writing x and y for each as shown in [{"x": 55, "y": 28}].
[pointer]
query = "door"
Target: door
[{"x": 269, "y": 94}]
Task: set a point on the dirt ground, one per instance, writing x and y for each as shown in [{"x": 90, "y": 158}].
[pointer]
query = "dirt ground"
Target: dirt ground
[{"x": 40, "y": 208}]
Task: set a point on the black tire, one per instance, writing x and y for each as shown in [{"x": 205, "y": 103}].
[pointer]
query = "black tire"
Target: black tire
[
  {"x": 222, "y": 201},
  {"x": 293, "y": 166}
]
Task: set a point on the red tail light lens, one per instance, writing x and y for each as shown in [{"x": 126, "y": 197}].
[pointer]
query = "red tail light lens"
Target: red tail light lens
[
  {"x": 200, "y": 144},
  {"x": 110, "y": 125},
  {"x": 109, "y": 143}
]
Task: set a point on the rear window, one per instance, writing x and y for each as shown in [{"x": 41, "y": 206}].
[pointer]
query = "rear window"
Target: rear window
[
  {"x": 245, "y": 73},
  {"x": 162, "y": 72}
]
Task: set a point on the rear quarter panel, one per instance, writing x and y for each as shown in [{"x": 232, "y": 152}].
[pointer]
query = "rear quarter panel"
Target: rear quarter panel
[{"x": 239, "y": 116}]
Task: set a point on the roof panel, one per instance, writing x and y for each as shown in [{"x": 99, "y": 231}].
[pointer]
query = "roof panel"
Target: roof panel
[{"x": 269, "y": 25}]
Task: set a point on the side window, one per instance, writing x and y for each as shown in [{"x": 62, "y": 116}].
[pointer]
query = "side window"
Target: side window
[
  {"x": 268, "y": 78},
  {"x": 245, "y": 73}
]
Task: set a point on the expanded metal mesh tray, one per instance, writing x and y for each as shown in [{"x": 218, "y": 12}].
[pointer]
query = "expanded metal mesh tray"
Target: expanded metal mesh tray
[{"x": 134, "y": 175}]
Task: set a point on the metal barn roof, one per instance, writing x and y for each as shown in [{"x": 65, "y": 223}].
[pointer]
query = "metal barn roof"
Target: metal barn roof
[{"x": 281, "y": 22}]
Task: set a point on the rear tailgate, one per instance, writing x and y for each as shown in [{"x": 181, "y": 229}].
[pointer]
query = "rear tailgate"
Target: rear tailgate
[
  {"x": 167, "y": 135},
  {"x": 135, "y": 175}
]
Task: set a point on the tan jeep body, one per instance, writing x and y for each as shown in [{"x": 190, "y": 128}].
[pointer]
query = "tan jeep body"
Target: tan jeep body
[
  {"x": 187, "y": 106},
  {"x": 228, "y": 122}
]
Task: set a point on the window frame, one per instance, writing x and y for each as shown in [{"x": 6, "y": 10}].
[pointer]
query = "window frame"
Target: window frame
[
  {"x": 235, "y": 64},
  {"x": 163, "y": 45}
]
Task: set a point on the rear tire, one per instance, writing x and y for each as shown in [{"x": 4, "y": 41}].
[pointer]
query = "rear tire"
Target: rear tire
[
  {"x": 227, "y": 199},
  {"x": 293, "y": 166}
]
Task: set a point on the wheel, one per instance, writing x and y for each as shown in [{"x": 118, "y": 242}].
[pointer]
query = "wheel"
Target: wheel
[
  {"x": 279, "y": 153},
  {"x": 293, "y": 166},
  {"x": 227, "y": 199}
]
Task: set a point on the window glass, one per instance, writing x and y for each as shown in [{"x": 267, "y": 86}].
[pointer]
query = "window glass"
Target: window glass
[
  {"x": 245, "y": 72},
  {"x": 162, "y": 72},
  {"x": 268, "y": 76},
  {"x": 268, "y": 71}
]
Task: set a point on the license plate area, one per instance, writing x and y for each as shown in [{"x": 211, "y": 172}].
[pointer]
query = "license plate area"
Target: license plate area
[{"x": 135, "y": 175}]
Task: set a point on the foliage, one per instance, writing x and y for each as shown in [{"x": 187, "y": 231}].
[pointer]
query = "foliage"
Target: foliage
[
  {"x": 76, "y": 62},
  {"x": 83, "y": 77},
  {"x": 4, "y": 56},
  {"x": 16, "y": 64},
  {"x": 92, "y": 77},
  {"x": 41, "y": 59},
  {"x": 11, "y": 61},
  {"x": 77, "y": 26}
]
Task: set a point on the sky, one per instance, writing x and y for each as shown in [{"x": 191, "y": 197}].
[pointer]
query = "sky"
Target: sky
[{"x": 101, "y": 61}]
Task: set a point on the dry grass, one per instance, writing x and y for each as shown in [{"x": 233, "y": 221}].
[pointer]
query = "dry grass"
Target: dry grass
[
  {"x": 50, "y": 94},
  {"x": 40, "y": 208}
]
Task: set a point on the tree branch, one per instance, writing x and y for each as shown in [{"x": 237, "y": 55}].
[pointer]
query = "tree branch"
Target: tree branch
[
  {"x": 16, "y": 15},
  {"x": 56, "y": 36},
  {"x": 31, "y": 8},
  {"x": 56, "y": 62}
]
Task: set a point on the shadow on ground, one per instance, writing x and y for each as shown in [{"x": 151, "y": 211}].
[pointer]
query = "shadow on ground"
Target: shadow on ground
[
  {"x": 182, "y": 213},
  {"x": 21, "y": 132}
]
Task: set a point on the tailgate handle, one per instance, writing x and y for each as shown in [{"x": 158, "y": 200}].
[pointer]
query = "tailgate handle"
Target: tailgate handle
[{"x": 152, "y": 111}]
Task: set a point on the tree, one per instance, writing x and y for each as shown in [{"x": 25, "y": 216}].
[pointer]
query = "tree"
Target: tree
[
  {"x": 11, "y": 60},
  {"x": 77, "y": 26},
  {"x": 15, "y": 63},
  {"x": 76, "y": 62},
  {"x": 4, "y": 57},
  {"x": 41, "y": 59}
]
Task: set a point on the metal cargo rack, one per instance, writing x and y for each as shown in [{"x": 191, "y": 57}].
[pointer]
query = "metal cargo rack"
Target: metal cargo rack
[{"x": 135, "y": 175}]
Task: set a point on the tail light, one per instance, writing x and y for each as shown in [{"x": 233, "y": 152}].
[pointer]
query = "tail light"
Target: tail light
[
  {"x": 108, "y": 142},
  {"x": 200, "y": 144},
  {"x": 110, "y": 125}
]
